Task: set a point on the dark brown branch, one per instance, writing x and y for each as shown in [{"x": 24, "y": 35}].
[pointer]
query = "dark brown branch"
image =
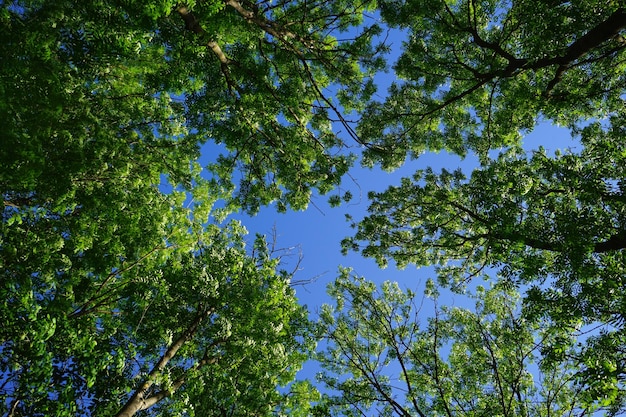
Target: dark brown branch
[
  {"x": 191, "y": 23},
  {"x": 604, "y": 31},
  {"x": 615, "y": 242},
  {"x": 601, "y": 33}
]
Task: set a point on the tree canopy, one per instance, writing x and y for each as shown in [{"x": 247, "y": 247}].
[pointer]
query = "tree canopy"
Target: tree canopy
[
  {"x": 553, "y": 226},
  {"x": 197, "y": 334},
  {"x": 105, "y": 107},
  {"x": 386, "y": 354},
  {"x": 476, "y": 75},
  {"x": 160, "y": 78},
  {"x": 126, "y": 290}
]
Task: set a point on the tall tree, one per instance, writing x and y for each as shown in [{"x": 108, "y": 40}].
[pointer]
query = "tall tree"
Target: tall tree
[
  {"x": 383, "y": 358},
  {"x": 249, "y": 76},
  {"x": 104, "y": 106},
  {"x": 553, "y": 224},
  {"x": 474, "y": 75},
  {"x": 210, "y": 333}
]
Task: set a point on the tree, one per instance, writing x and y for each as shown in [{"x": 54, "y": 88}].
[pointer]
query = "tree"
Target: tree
[
  {"x": 105, "y": 106},
  {"x": 249, "y": 76},
  {"x": 553, "y": 225},
  {"x": 212, "y": 333},
  {"x": 382, "y": 358},
  {"x": 475, "y": 75}
]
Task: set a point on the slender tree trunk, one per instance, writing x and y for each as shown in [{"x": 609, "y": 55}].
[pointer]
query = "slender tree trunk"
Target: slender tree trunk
[{"x": 140, "y": 400}]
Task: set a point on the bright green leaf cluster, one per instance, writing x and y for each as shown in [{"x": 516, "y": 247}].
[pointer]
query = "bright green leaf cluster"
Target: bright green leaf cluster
[
  {"x": 384, "y": 356},
  {"x": 476, "y": 75}
]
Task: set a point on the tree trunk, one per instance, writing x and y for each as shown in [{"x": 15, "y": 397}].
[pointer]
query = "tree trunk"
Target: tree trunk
[{"x": 139, "y": 401}]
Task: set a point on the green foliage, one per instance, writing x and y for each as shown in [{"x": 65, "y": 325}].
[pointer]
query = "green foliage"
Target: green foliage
[
  {"x": 107, "y": 218},
  {"x": 86, "y": 84},
  {"x": 383, "y": 357},
  {"x": 120, "y": 294},
  {"x": 197, "y": 334},
  {"x": 552, "y": 224},
  {"x": 476, "y": 75}
]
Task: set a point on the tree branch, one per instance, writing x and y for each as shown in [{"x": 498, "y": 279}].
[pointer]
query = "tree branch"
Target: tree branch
[
  {"x": 138, "y": 401},
  {"x": 613, "y": 243},
  {"x": 192, "y": 24},
  {"x": 599, "y": 34}
]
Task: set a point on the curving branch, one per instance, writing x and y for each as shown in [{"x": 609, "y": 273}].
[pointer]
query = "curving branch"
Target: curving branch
[{"x": 604, "y": 31}]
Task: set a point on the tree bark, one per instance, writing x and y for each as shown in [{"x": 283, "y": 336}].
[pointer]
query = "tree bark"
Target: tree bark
[
  {"x": 192, "y": 24},
  {"x": 596, "y": 36},
  {"x": 614, "y": 243},
  {"x": 139, "y": 401}
]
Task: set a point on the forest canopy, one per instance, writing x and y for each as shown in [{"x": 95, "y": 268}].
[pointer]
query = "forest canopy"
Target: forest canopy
[{"x": 127, "y": 289}]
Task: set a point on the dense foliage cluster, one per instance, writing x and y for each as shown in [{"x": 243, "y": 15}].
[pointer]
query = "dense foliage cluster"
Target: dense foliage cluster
[
  {"x": 458, "y": 362},
  {"x": 105, "y": 107},
  {"x": 125, "y": 290}
]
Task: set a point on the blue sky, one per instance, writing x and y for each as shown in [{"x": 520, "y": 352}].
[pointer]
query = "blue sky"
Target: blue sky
[{"x": 316, "y": 233}]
